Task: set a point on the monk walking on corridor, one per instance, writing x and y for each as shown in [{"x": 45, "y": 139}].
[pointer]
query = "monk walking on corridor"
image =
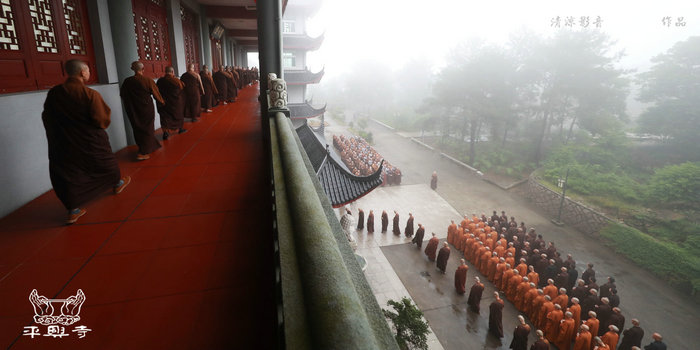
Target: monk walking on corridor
[
  {"x": 136, "y": 92},
  {"x": 443, "y": 256},
  {"x": 172, "y": 112},
  {"x": 431, "y": 248},
  {"x": 81, "y": 162},
  {"x": 461, "y": 277}
]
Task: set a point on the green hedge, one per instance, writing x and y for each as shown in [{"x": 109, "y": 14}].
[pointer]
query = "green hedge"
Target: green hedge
[{"x": 678, "y": 267}]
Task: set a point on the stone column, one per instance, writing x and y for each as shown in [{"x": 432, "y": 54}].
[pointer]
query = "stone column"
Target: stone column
[
  {"x": 102, "y": 41},
  {"x": 177, "y": 38},
  {"x": 204, "y": 39},
  {"x": 270, "y": 39}
]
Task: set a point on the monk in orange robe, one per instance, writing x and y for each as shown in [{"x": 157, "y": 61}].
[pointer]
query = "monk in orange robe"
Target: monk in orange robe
[
  {"x": 592, "y": 322},
  {"x": 500, "y": 250},
  {"x": 520, "y": 292},
  {"x": 451, "y": 231},
  {"x": 478, "y": 253},
  {"x": 583, "y": 339},
  {"x": 551, "y": 328},
  {"x": 567, "y": 330},
  {"x": 551, "y": 289},
  {"x": 500, "y": 268},
  {"x": 463, "y": 224},
  {"x": 461, "y": 240},
  {"x": 536, "y": 307},
  {"x": 513, "y": 285},
  {"x": 431, "y": 248},
  {"x": 598, "y": 344},
  {"x": 484, "y": 260},
  {"x": 529, "y": 299},
  {"x": 575, "y": 310},
  {"x": 522, "y": 267},
  {"x": 546, "y": 308},
  {"x": 611, "y": 337},
  {"x": 491, "y": 268},
  {"x": 489, "y": 242},
  {"x": 461, "y": 277},
  {"x": 562, "y": 299},
  {"x": 507, "y": 275},
  {"x": 510, "y": 260},
  {"x": 533, "y": 276},
  {"x": 510, "y": 249}
]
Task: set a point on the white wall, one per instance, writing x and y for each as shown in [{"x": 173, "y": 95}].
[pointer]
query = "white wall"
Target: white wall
[{"x": 24, "y": 174}]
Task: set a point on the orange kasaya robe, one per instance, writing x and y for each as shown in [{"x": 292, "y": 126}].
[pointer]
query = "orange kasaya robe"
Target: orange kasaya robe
[
  {"x": 536, "y": 308},
  {"x": 451, "y": 230},
  {"x": 511, "y": 261},
  {"x": 463, "y": 223},
  {"x": 610, "y": 338},
  {"x": 546, "y": 308},
  {"x": 583, "y": 341},
  {"x": 567, "y": 330},
  {"x": 510, "y": 250},
  {"x": 500, "y": 250},
  {"x": 575, "y": 310},
  {"x": 498, "y": 276},
  {"x": 468, "y": 247},
  {"x": 593, "y": 324},
  {"x": 562, "y": 300},
  {"x": 513, "y": 286},
  {"x": 477, "y": 255},
  {"x": 529, "y": 301},
  {"x": 507, "y": 275},
  {"x": 534, "y": 277},
  {"x": 520, "y": 293},
  {"x": 459, "y": 239},
  {"x": 491, "y": 269},
  {"x": 522, "y": 269},
  {"x": 489, "y": 243},
  {"x": 484, "y": 261},
  {"x": 551, "y": 290},
  {"x": 504, "y": 243},
  {"x": 552, "y": 325}
]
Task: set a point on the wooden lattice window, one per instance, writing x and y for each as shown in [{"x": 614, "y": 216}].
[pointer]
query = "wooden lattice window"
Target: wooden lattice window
[
  {"x": 37, "y": 37},
  {"x": 151, "y": 28},
  {"x": 190, "y": 31}
]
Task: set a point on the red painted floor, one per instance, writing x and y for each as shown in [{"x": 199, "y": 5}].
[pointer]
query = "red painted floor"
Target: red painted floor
[{"x": 181, "y": 259}]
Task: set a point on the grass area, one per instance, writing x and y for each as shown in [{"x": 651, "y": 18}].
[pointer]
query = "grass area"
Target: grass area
[{"x": 678, "y": 266}]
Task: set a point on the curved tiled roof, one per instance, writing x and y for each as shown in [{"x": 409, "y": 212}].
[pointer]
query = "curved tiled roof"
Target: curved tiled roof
[
  {"x": 341, "y": 186},
  {"x": 302, "y": 42},
  {"x": 305, "y": 110},
  {"x": 301, "y": 77}
]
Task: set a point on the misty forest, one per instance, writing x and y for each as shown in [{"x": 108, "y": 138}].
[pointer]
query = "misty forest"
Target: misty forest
[{"x": 541, "y": 106}]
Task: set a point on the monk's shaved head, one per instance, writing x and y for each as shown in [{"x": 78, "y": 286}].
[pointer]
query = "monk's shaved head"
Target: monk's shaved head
[
  {"x": 137, "y": 66},
  {"x": 75, "y": 67},
  {"x": 169, "y": 69}
]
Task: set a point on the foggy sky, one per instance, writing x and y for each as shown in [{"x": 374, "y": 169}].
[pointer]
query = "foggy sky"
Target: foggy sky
[{"x": 396, "y": 31}]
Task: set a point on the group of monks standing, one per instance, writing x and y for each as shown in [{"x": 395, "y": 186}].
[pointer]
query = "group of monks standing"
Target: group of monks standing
[
  {"x": 176, "y": 99},
  {"x": 363, "y": 160},
  {"x": 583, "y": 317}
]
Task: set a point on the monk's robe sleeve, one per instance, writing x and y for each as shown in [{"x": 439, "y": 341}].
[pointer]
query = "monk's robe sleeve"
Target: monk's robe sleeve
[
  {"x": 155, "y": 92},
  {"x": 99, "y": 111}
]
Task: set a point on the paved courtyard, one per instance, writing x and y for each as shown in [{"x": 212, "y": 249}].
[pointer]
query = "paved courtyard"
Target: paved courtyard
[{"x": 396, "y": 268}]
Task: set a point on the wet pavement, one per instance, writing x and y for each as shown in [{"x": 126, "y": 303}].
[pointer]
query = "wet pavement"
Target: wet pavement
[{"x": 644, "y": 296}]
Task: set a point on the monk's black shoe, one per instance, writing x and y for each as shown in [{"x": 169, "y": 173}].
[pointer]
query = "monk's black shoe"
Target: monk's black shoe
[
  {"x": 182, "y": 131},
  {"x": 165, "y": 135}
]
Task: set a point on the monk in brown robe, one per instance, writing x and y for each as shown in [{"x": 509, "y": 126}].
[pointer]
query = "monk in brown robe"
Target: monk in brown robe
[
  {"x": 395, "y": 224},
  {"x": 443, "y": 256},
  {"x": 418, "y": 239},
  {"x": 172, "y": 112},
  {"x": 408, "y": 231},
  {"x": 433, "y": 180},
  {"x": 461, "y": 277},
  {"x": 370, "y": 222},
  {"x": 475, "y": 293},
  {"x": 496, "y": 316},
  {"x": 136, "y": 93},
  {"x": 81, "y": 162},
  {"x": 360, "y": 219},
  {"x": 431, "y": 248},
  {"x": 193, "y": 93},
  {"x": 231, "y": 85},
  {"x": 221, "y": 83},
  {"x": 209, "y": 89},
  {"x": 385, "y": 221},
  {"x": 567, "y": 330},
  {"x": 520, "y": 334},
  {"x": 541, "y": 343}
]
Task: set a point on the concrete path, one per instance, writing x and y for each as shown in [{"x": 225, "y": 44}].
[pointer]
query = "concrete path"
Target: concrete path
[{"x": 658, "y": 307}]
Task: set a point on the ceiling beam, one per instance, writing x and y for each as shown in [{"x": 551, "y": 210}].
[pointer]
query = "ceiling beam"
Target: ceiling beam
[
  {"x": 247, "y": 42},
  {"x": 233, "y": 12},
  {"x": 242, "y": 32}
]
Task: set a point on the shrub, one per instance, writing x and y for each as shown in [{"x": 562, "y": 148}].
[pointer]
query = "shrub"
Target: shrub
[
  {"x": 679, "y": 268},
  {"x": 411, "y": 330},
  {"x": 675, "y": 184}
]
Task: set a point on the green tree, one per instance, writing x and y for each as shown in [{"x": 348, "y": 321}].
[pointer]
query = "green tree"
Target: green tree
[
  {"x": 676, "y": 184},
  {"x": 411, "y": 330},
  {"x": 672, "y": 86}
]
